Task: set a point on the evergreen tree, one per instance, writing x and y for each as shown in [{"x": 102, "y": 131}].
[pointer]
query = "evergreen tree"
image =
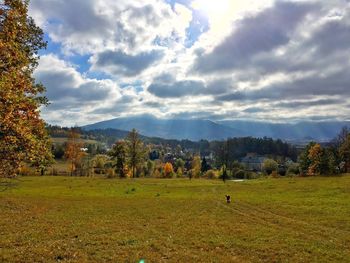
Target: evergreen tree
[{"x": 204, "y": 166}]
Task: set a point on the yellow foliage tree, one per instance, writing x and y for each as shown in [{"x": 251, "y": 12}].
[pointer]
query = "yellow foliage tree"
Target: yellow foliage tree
[
  {"x": 315, "y": 156},
  {"x": 196, "y": 166},
  {"x": 168, "y": 170}
]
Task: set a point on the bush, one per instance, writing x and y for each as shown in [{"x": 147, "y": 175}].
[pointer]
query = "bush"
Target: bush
[
  {"x": 251, "y": 175},
  {"x": 179, "y": 172},
  {"x": 212, "y": 174},
  {"x": 293, "y": 169},
  {"x": 282, "y": 170},
  {"x": 240, "y": 174},
  {"x": 157, "y": 174},
  {"x": 270, "y": 166}
]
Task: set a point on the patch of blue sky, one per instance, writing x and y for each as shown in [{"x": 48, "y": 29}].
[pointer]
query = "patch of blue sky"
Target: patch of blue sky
[
  {"x": 182, "y": 2},
  {"x": 137, "y": 85},
  {"x": 199, "y": 23},
  {"x": 81, "y": 62},
  {"x": 52, "y": 48},
  {"x": 98, "y": 75},
  {"x": 198, "y": 26}
]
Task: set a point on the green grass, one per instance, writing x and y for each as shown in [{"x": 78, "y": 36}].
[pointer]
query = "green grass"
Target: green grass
[{"x": 62, "y": 219}]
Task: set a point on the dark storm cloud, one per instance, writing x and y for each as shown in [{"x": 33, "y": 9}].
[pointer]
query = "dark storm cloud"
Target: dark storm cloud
[
  {"x": 264, "y": 32},
  {"x": 116, "y": 62}
]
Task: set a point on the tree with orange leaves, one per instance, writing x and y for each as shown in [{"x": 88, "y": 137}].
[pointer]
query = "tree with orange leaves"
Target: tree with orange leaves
[
  {"x": 23, "y": 137},
  {"x": 168, "y": 170},
  {"x": 315, "y": 156}
]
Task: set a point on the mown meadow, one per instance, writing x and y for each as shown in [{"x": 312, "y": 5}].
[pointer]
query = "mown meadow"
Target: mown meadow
[{"x": 75, "y": 219}]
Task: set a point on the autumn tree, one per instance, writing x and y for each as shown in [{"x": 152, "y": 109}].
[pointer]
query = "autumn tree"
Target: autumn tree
[
  {"x": 23, "y": 137},
  {"x": 73, "y": 151},
  {"x": 196, "y": 166},
  {"x": 315, "y": 157},
  {"x": 304, "y": 160},
  {"x": 168, "y": 170},
  {"x": 135, "y": 151},
  {"x": 118, "y": 153}
]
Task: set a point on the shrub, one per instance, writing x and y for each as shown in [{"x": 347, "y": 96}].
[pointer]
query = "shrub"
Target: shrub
[
  {"x": 179, "y": 172},
  {"x": 157, "y": 174},
  {"x": 251, "y": 175},
  {"x": 270, "y": 166},
  {"x": 240, "y": 174},
  {"x": 293, "y": 169},
  {"x": 212, "y": 174},
  {"x": 282, "y": 170}
]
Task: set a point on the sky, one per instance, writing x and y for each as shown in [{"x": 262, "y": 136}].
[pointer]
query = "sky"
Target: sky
[{"x": 264, "y": 60}]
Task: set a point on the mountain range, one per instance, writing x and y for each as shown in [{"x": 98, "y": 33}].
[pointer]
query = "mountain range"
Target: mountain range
[{"x": 197, "y": 129}]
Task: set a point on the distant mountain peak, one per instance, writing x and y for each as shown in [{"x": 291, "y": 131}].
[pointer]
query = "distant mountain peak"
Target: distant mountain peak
[{"x": 197, "y": 129}]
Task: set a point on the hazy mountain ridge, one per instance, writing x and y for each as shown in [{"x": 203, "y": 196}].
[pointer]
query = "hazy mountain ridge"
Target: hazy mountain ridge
[{"x": 197, "y": 129}]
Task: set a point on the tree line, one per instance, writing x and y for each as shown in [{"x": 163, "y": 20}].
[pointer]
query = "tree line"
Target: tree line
[{"x": 327, "y": 160}]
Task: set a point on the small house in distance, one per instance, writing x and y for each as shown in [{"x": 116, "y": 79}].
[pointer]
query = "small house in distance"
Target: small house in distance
[{"x": 252, "y": 162}]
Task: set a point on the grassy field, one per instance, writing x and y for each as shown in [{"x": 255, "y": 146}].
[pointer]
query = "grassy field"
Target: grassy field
[{"x": 62, "y": 219}]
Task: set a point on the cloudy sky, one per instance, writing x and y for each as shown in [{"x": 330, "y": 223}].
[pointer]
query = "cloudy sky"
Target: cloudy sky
[{"x": 224, "y": 59}]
